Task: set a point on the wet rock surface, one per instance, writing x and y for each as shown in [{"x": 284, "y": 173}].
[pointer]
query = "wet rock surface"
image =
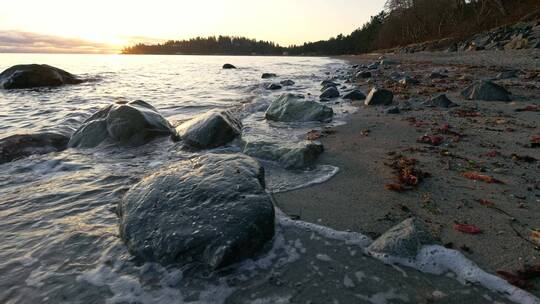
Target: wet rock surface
[
  {"x": 330, "y": 93},
  {"x": 211, "y": 210},
  {"x": 23, "y": 145},
  {"x": 379, "y": 97},
  {"x": 440, "y": 101},
  {"x": 289, "y": 107},
  {"x": 26, "y": 76},
  {"x": 292, "y": 155},
  {"x": 129, "y": 124},
  {"x": 212, "y": 129},
  {"x": 354, "y": 95},
  {"x": 228, "y": 66},
  {"x": 268, "y": 75}
]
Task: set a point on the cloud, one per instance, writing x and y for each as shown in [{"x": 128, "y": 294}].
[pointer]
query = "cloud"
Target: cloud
[{"x": 25, "y": 42}]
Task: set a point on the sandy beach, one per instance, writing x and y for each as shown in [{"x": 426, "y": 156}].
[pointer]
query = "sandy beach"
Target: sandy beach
[{"x": 493, "y": 139}]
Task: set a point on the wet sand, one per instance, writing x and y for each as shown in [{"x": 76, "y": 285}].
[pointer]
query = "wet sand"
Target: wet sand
[{"x": 506, "y": 213}]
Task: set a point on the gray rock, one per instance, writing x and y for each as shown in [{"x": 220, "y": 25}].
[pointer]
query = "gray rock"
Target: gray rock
[
  {"x": 287, "y": 83},
  {"x": 354, "y": 95},
  {"x": 211, "y": 210},
  {"x": 373, "y": 66},
  {"x": 363, "y": 74},
  {"x": 328, "y": 83},
  {"x": 209, "y": 130},
  {"x": 130, "y": 124},
  {"x": 330, "y": 93},
  {"x": 268, "y": 75},
  {"x": 440, "y": 101},
  {"x": 379, "y": 97},
  {"x": 35, "y": 75},
  {"x": 272, "y": 86},
  {"x": 437, "y": 75},
  {"x": 228, "y": 66},
  {"x": 403, "y": 240},
  {"x": 289, "y": 107},
  {"x": 23, "y": 145},
  {"x": 291, "y": 155},
  {"x": 487, "y": 91}
]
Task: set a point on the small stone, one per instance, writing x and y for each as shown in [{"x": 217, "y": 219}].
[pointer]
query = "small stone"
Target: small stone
[
  {"x": 228, "y": 66},
  {"x": 268, "y": 75},
  {"x": 287, "y": 83},
  {"x": 354, "y": 95}
]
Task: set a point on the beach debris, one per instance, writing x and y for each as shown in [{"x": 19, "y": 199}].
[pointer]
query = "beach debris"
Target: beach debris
[
  {"x": 467, "y": 228},
  {"x": 481, "y": 177},
  {"x": 529, "y": 108},
  {"x": 522, "y": 277},
  {"x": 378, "y": 97},
  {"x": 523, "y": 158},
  {"x": 365, "y": 132},
  {"x": 433, "y": 140},
  {"x": 407, "y": 175},
  {"x": 487, "y": 91}
]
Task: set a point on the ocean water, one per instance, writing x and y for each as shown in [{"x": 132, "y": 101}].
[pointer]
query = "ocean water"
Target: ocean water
[{"x": 59, "y": 240}]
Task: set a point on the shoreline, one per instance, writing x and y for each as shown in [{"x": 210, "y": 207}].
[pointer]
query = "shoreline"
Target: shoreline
[{"x": 356, "y": 199}]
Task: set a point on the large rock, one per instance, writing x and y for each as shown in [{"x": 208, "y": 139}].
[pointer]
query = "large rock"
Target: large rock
[
  {"x": 228, "y": 66},
  {"x": 403, "y": 240},
  {"x": 330, "y": 93},
  {"x": 354, "y": 95},
  {"x": 379, "y": 97},
  {"x": 212, "y": 129},
  {"x": 211, "y": 210},
  {"x": 23, "y": 145},
  {"x": 35, "y": 75},
  {"x": 289, "y": 107},
  {"x": 486, "y": 90},
  {"x": 291, "y": 155},
  {"x": 130, "y": 124}
]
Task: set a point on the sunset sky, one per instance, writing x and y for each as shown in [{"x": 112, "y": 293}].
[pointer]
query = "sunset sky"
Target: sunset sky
[{"x": 107, "y": 25}]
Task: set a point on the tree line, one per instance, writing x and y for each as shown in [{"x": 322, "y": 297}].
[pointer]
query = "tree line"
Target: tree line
[{"x": 401, "y": 22}]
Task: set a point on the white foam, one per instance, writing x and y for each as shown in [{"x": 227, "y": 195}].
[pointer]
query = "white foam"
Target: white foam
[{"x": 438, "y": 260}]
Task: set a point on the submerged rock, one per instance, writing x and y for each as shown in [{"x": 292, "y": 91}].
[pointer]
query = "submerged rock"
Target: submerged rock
[
  {"x": 354, "y": 95},
  {"x": 287, "y": 83},
  {"x": 291, "y": 155},
  {"x": 130, "y": 124},
  {"x": 268, "y": 75},
  {"x": 272, "y": 86},
  {"x": 330, "y": 93},
  {"x": 487, "y": 91},
  {"x": 289, "y": 107},
  {"x": 212, "y": 129},
  {"x": 440, "y": 101},
  {"x": 211, "y": 210},
  {"x": 23, "y": 145},
  {"x": 26, "y": 76},
  {"x": 379, "y": 97},
  {"x": 403, "y": 240},
  {"x": 328, "y": 83},
  {"x": 228, "y": 66}
]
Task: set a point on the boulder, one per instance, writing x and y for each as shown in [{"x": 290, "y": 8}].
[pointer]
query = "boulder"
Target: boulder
[
  {"x": 211, "y": 210},
  {"x": 292, "y": 155},
  {"x": 403, "y": 240},
  {"x": 330, "y": 93},
  {"x": 228, "y": 66},
  {"x": 363, "y": 74},
  {"x": 268, "y": 75},
  {"x": 272, "y": 86},
  {"x": 290, "y": 107},
  {"x": 130, "y": 124},
  {"x": 26, "y": 76},
  {"x": 379, "y": 97},
  {"x": 354, "y": 95},
  {"x": 440, "y": 101},
  {"x": 287, "y": 83},
  {"x": 23, "y": 145},
  {"x": 209, "y": 130},
  {"x": 487, "y": 91}
]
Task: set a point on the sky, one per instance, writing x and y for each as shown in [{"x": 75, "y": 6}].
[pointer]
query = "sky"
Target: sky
[{"x": 102, "y": 26}]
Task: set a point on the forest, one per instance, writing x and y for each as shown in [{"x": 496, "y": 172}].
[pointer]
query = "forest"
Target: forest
[{"x": 402, "y": 22}]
